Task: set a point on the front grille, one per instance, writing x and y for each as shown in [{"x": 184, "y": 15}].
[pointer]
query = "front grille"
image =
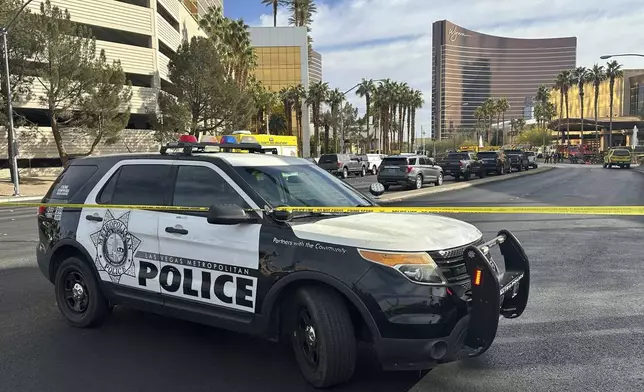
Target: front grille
[{"x": 452, "y": 265}]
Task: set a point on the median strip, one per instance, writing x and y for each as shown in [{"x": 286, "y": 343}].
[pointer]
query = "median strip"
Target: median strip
[{"x": 398, "y": 196}]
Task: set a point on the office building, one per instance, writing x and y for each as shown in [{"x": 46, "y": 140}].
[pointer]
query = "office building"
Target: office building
[
  {"x": 283, "y": 61},
  {"x": 139, "y": 33},
  {"x": 469, "y": 67},
  {"x": 315, "y": 67},
  {"x": 200, "y": 7},
  {"x": 628, "y": 106}
]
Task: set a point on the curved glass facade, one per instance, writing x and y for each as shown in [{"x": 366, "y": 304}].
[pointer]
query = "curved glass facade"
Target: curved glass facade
[{"x": 469, "y": 67}]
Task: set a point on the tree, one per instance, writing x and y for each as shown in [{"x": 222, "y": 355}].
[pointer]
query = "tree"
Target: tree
[
  {"x": 416, "y": 103},
  {"x": 275, "y": 4},
  {"x": 317, "y": 95},
  {"x": 169, "y": 118},
  {"x": 533, "y": 136},
  {"x": 503, "y": 106},
  {"x": 101, "y": 115},
  {"x": 21, "y": 48},
  {"x": 201, "y": 85},
  {"x": 231, "y": 40},
  {"x": 299, "y": 96},
  {"x": 335, "y": 99},
  {"x": 613, "y": 71},
  {"x": 565, "y": 81},
  {"x": 596, "y": 77},
  {"x": 580, "y": 78},
  {"x": 288, "y": 101},
  {"x": 365, "y": 90},
  {"x": 302, "y": 13},
  {"x": 67, "y": 52}
]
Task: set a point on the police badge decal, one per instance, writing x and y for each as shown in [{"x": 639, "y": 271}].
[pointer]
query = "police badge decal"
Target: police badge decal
[{"x": 115, "y": 247}]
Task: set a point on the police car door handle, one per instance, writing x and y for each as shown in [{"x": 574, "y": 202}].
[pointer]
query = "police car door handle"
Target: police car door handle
[
  {"x": 94, "y": 218},
  {"x": 176, "y": 230}
]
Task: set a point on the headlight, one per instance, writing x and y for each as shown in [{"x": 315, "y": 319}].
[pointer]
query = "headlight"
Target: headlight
[{"x": 417, "y": 267}]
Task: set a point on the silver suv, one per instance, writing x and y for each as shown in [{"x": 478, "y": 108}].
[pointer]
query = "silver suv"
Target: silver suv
[{"x": 409, "y": 171}]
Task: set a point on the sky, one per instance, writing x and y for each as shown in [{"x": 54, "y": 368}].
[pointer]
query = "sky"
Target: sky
[{"x": 379, "y": 39}]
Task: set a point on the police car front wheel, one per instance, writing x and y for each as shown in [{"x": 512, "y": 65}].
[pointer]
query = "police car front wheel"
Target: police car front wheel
[
  {"x": 322, "y": 337},
  {"x": 78, "y": 295}
]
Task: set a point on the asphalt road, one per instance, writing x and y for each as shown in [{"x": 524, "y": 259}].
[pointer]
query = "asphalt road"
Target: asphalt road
[{"x": 582, "y": 330}]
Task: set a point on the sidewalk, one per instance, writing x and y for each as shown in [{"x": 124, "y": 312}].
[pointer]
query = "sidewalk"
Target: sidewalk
[{"x": 31, "y": 188}]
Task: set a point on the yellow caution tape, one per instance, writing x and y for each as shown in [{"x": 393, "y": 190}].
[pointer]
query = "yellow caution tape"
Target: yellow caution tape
[{"x": 560, "y": 210}]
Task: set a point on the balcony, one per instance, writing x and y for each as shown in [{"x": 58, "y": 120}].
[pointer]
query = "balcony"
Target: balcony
[
  {"x": 106, "y": 13},
  {"x": 173, "y": 7},
  {"x": 167, "y": 34},
  {"x": 162, "y": 63},
  {"x": 134, "y": 59},
  {"x": 142, "y": 97}
]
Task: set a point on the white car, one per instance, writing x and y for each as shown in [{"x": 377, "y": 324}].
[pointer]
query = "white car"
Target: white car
[{"x": 374, "y": 162}]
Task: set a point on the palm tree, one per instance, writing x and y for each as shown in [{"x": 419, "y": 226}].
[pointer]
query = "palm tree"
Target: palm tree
[
  {"x": 335, "y": 100},
  {"x": 301, "y": 13},
  {"x": 568, "y": 82},
  {"x": 365, "y": 90},
  {"x": 580, "y": 78},
  {"x": 559, "y": 86},
  {"x": 326, "y": 120},
  {"x": 613, "y": 71},
  {"x": 317, "y": 95},
  {"x": 596, "y": 77},
  {"x": 275, "y": 4},
  {"x": 299, "y": 96},
  {"x": 542, "y": 98},
  {"x": 288, "y": 100},
  {"x": 480, "y": 115},
  {"x": 503, "y": 106},
  {"x": 489, "y": 109},
  {"x": 416, "y": 102}
]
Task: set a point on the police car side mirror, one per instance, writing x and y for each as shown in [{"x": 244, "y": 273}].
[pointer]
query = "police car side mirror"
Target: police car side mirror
[
  {"x": 229, "y": 214},
  {"x": 377, "y": 189}
]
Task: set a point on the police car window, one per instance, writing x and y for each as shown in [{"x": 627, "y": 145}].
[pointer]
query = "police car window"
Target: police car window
[
  {"x": 137, "y": 185},
  {"x": 199, "y": 186},
  {"x": 300, "y": 185},
  {"x": 71, "y": 181}
]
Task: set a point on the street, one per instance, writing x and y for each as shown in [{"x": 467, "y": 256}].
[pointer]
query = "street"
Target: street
[{"x": 582, "y": 329}]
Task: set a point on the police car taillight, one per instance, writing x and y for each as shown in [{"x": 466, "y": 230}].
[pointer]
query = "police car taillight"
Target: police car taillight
[{"x": 41, "y": 210}]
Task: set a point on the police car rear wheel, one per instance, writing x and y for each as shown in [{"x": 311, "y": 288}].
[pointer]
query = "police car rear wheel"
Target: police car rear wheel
[
  {"x": 78, "y": 295},
  {"x": 322, "y": 337}
]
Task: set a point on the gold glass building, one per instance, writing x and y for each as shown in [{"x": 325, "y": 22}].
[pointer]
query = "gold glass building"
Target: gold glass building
[
  {"x": 625, "y": 113},
  {"x": 283, "y": 61},
  {"x": 200, "y": 7}
]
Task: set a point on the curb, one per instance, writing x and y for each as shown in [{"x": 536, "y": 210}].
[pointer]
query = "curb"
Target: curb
[
  {"x": 462, "y": 185},
  {"x": 14, "y": 199}
]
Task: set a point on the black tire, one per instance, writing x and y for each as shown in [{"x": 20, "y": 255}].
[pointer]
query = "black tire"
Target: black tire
[
  {"x": 520, "y": 167},
  {"x": 628, "y": 166},
  {"x": 418, "y": 182},
  {"x": 322, "y": 337},
  {"x": 374, "y": 170},
  {"x": 345, "y": 173},
  {"x": 386, "y": 187},
  {"x": 363, "y": 171},
  {"x": 467, "y": 175},
  {"x": 482, "y": 173},
  {"x": 605, "y": 166},
  {"x": 501, "y": 171},
  {"x": 439, "y": 180},
  {"x": 78, "y": 294}
]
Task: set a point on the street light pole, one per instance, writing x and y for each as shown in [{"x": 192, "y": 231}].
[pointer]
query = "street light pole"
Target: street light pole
[
  {"x": 11, "y": 137},
  {"x": 607, "y": 56}
]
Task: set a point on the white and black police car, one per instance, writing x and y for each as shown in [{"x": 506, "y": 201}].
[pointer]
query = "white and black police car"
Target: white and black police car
[{"x": 423, "y": 289}]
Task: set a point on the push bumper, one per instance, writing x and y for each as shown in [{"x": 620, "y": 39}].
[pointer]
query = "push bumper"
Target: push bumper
[{"x": 492, "y": 295}]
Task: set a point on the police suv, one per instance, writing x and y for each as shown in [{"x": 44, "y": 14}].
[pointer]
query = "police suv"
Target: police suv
[{"x": 126, "y": 230}]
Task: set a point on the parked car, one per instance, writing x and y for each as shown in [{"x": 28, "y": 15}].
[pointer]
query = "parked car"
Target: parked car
[
  {"x": 518, "y": 160},
  {"x": 462, "y": 165},
  {"x": 374, "y": 161},
  {"x": 532, "y": 159},
  {"x": 410, "y": 171},
  {"x": 494, "y": 162},
  {"x": 343, "y": 164}
]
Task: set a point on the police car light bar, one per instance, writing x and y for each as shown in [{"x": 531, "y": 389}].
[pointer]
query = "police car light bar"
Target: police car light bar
[{"x": 190, "y": 147}]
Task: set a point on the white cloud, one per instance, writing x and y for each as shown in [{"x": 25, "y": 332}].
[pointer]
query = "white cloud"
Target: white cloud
[{"x": 392, "y": 38}]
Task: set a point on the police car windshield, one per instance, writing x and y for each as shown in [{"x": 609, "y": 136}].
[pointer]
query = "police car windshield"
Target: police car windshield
[{"x": 300, "y": 186}]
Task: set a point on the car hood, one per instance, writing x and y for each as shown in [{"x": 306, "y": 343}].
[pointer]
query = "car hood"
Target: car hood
[{"x": 395, "y": 232}]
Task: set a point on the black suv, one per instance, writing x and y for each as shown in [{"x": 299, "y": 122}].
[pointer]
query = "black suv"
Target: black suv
[
  {"x": 518, "y": 159},
  {"x": 495, "y": 162},
  {"x": 197, "y": 234}
]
